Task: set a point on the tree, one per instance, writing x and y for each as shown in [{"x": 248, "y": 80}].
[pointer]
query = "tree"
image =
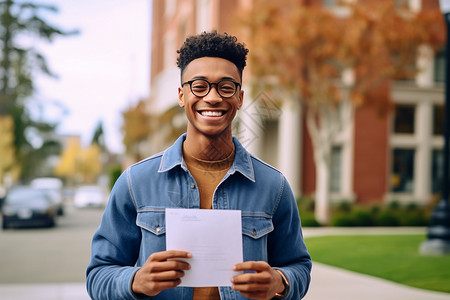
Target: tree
[
  {"x": 69, "y": 161},
  {"x": 78, "y": 164},
  {"x": 20, "y": 20},
  {"x": 135, "y": 128},
  {"x": 7, "y": 161},
  {"x": 90, "y": 163},
  {"x": 306, "y": 49},
  {"x": 98, "y": 137}
]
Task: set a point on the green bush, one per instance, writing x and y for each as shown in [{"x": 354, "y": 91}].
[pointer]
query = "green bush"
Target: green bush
[
  {"x": 343, "y": 221},
  {"x": 310, "y": 222},
  {"x": 387, "y": 218},
  {"x": 363, "y": 218},
  {"x": 392, "y": 214},
  {"x": 415, "y": 218},
  {"x": 114, "y": 173},
  {"x": 308, "y": 219},
  {"x": 348, "y": 214}
]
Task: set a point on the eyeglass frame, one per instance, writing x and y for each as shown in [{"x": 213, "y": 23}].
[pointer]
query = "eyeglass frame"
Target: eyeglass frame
[{"x": 236, "y": 86}]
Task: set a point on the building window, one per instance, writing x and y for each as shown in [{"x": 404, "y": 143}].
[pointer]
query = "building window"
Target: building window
[
  {"x": 437, "y": 160},
  {"x": 439, "y": 67},
  {"x": 336, "y": 169},
  {"x": 438, "y": 120},
  {"x": 402, "y": 180},
  {"x": 404, "y": 119}
]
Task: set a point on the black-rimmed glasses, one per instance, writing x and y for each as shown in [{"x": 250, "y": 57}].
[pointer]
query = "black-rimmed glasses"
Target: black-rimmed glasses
[{"x": 201, "y": 87}]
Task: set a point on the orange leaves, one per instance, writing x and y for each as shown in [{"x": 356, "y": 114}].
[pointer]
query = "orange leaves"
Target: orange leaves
[
  {"x": 136, "y": 124},
  {"x": 308, "y": 46}
]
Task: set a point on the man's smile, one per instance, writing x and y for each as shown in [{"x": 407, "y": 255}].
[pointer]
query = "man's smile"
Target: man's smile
[{"x": 211, "y": 113}]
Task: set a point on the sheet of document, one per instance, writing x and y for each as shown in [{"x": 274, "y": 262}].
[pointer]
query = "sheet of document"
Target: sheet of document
[{"x": 214, "y": 237}]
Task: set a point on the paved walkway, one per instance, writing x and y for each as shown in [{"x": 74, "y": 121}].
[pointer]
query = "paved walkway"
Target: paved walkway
[{"x": 327, "y": 282}]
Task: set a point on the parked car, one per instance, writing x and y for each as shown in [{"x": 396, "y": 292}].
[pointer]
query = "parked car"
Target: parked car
[
  {"x": 28, "y": 207},
  {"x": 54, "y": 187},
  {"x": 90, "y": 196}
]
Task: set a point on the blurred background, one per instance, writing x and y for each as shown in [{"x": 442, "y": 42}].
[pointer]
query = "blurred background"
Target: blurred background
[{"x": 346, "y": 98}]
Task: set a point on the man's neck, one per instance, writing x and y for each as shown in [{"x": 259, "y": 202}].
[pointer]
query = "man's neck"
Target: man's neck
[{"x": 209, "y": 148}]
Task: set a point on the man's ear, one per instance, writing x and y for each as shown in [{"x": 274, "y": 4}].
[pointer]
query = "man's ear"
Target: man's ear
[
  {"x": 241, "y": 99},
  {"x": 180, "y": 97}
]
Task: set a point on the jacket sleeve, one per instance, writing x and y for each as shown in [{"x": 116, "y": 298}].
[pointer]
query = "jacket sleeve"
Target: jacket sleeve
[
  {"x": 115, "y": 247},
  {"x": 287, "y": 250}
]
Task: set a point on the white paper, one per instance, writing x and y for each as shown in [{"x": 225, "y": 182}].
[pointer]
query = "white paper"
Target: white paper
[{"x": 214, "y": 237}]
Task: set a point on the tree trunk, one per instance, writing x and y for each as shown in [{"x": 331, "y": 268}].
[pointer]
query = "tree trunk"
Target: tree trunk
[
  {"x": 322, "y": 126},
  {"x": 322, "y": 210}
]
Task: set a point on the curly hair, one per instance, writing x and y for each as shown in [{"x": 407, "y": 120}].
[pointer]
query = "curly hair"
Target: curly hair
[{"x": 212, "y": 44}]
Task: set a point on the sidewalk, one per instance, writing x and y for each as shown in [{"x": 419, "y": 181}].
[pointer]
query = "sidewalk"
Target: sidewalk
[
  {"x": 327, "y": 282},
  {"x": 62, "y": 291},
  {"x": 337, "y": 284}
]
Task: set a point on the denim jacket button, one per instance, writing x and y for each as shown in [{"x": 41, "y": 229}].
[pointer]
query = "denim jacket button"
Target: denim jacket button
[
  {"x": 254, "y": 231},
  {"x": 158, "y": 229},
  {"x": 192, "y": 186}
]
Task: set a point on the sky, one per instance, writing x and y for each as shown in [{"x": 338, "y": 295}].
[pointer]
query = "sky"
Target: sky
[{"x": 101, "y": 71}]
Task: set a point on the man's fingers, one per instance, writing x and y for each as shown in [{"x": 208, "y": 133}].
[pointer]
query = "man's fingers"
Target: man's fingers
[
  {"x": 247, "y": 278},
  {"x": 257, "y": 266},
  {"x": 162, "y": 266},
  {"x": 165, "y": 255},
  {"x": 166, "y": 276}
]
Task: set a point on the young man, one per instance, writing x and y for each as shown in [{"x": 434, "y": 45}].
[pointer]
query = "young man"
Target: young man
[{"x": 205, "y": 168}]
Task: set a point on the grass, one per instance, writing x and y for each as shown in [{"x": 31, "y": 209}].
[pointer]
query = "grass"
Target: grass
[{"x": 392, "y": 257}]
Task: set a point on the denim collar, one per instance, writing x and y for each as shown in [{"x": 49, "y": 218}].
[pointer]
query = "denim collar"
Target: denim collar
[{"x": 173, "y": 157}]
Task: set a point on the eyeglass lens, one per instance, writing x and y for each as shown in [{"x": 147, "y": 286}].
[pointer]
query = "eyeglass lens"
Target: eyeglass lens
[{"x": 201, "y": 88}]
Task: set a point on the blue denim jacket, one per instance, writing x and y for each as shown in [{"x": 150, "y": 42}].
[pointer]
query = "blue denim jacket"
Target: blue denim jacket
[{"x": 133, "y": 224}]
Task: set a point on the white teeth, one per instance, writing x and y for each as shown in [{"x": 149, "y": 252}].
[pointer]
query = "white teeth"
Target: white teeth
[{"x": 211, "y": 113}]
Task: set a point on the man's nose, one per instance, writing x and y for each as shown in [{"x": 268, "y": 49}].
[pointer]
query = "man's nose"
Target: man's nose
[{"x": 213, "y": 96}]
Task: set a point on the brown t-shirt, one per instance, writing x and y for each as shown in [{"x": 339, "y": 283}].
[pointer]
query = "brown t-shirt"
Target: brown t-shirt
[{"x": 207, "y": 175}]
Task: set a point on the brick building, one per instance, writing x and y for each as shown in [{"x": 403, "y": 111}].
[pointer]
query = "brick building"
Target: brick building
[{"x": 377, "y": 158}]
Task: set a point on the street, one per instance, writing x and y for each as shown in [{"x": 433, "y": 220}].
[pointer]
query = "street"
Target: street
[{"x": 49, "y": 255}]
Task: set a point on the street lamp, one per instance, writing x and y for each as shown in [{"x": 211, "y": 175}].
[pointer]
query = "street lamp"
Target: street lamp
[{"x": 438, "y": 242}]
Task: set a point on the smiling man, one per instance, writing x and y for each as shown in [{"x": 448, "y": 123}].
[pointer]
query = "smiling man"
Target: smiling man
[{"x": 205, "y": 168}]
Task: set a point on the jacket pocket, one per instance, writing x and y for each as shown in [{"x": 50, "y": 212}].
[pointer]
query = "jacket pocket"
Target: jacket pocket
[
  {"x": 153, "y": 221},
  {"x": 256, "y": 227}
]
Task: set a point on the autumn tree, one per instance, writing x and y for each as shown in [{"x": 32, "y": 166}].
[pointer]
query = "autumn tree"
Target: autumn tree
[
  {"x": 90, "y": 166},
  {"x": 330, "y": 60},
  {"x": 68, "y": 163},
  {"x": 136, "y": 128},
  {"x": 7, "y": 159},
  {"x": 79, "y": 165}
]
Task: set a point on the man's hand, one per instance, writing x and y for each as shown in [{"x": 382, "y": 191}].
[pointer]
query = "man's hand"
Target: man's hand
[
  {"x": 263, "y": 284},
  {"x": 161, "y": 271}
]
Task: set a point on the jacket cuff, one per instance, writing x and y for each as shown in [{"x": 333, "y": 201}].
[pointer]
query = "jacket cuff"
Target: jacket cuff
[{"x": 125, "y": 282}]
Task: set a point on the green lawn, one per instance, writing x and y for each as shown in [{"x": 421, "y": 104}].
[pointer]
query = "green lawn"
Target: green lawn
[{"x": 395, "y": 258}]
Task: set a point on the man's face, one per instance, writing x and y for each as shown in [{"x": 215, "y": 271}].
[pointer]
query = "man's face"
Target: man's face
[{"x": 210, "y": 115}]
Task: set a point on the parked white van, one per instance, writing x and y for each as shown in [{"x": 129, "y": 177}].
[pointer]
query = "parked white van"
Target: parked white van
[{"x": 54, "y": 187}]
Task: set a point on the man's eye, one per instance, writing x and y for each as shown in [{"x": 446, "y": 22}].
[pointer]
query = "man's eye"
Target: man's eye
[
  {"x": 227, "y": 86},
  {"x": 199, "y": 87}
]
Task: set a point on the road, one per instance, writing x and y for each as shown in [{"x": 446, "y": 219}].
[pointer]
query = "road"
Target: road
[{"x": 49, "y": 255}]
